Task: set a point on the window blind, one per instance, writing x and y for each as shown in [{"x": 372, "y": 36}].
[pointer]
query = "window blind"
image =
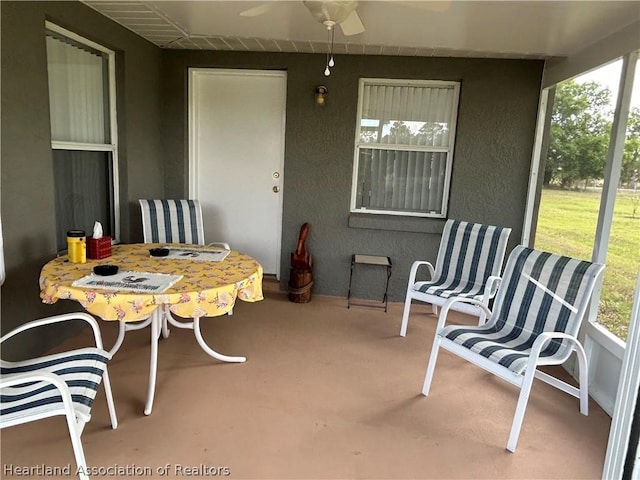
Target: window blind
[
  {"x": 401, "y": 180},
  {"x": 425, "y": 112},
  {"x": 78, "y": 93}
]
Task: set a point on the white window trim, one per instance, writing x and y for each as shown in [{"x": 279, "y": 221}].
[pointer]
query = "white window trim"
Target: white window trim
[
  {"x": 449, "y": 150},
  {"x": 113, "y": 123}
]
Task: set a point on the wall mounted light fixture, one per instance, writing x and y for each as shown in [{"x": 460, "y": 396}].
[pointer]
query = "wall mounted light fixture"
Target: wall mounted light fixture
[{"x": 321, "y": 91}]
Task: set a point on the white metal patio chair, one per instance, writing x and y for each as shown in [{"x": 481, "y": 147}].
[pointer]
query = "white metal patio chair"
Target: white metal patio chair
[
  {"x": 175, "y": 221},
  {"x": 63, "y": 383},
  {"x": 469, "y": 263},
  {"x": 535, "y": 321}
]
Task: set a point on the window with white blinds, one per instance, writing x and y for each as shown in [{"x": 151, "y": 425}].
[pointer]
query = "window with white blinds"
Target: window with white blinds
[
  {"x": 404, "y": 147},
  {"x": 83, "y": 133}
]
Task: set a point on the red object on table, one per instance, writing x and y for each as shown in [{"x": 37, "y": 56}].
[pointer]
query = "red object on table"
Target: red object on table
[{"x": 99, "y": 247}]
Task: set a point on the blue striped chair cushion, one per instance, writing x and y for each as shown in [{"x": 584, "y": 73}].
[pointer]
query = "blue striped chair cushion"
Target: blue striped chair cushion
[
  {"x": 80, "y": 369},
  {"x": 540, "y": 292},
  {"x": 469, "y": 254},
  {"x": 172, "y": 221}
]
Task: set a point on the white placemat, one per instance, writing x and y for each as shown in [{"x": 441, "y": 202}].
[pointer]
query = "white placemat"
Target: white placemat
[
  {"x": 197, "y": 254},
  {"x": 140, "y": 282}
]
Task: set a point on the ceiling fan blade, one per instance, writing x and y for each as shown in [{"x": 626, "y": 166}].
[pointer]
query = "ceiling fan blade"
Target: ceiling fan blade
[
  {"x": 352, "y": 25},
  {"x": 259, "y": 10}
]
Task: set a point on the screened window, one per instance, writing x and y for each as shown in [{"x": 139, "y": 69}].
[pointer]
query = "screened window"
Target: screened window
[
  {"x": 404, "y": 147},
  {"x": 83, "y": 140}
]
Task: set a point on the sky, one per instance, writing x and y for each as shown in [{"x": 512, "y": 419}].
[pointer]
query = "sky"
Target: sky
[{"x": 609, "y": 75}]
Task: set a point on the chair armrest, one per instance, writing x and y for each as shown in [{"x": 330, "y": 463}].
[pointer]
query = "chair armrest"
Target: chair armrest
[
  {"x": 224, "y": 245},
  {"x": 414, "y": 270},
  {"x": 13, "y": 379},
  {"x": 491, "y": 288},
  {"x": 546, "y": 337},
  {"x": 534, "y": 355},
  {"x": 57, "y": 319},
  {"x": 446, "y": 306}
]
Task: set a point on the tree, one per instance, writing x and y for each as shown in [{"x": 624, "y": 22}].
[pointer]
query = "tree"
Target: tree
[
  {"x": 579, "y": 138},
  {"x": 399, "y": 133},
  {"x": 432, "y": 133},
  {"x": 630, "y": 173}
]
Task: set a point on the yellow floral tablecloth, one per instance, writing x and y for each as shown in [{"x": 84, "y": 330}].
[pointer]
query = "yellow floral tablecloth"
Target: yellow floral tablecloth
[{"x": 206, "y": 289}]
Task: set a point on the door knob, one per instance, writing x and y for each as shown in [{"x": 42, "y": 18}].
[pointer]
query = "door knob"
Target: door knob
[{"x": 276, "y": 189}]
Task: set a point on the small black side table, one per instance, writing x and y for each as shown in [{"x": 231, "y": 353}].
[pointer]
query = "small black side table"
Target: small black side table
[{"x": 370, "y": 260}]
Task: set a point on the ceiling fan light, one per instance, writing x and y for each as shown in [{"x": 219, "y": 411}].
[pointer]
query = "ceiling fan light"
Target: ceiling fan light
[
  {"x": 331, "y": 13},
  {"x": 333, "y": 10}
]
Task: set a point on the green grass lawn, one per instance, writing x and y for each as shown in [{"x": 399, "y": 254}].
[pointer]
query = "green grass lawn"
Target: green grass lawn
[{"x": 567, "y": 224}]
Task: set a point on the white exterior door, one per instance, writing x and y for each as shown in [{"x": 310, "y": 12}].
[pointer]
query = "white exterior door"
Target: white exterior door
[{"x": 236, "y": 130}]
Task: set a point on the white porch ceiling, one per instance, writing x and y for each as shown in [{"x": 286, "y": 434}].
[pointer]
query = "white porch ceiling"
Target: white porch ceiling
[{"x": 499, "y": 29}]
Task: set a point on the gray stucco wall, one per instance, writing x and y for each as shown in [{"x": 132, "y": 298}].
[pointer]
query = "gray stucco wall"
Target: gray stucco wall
[
  {"x": 28, "y": 211},
  {"x": 494, "y": 141}
]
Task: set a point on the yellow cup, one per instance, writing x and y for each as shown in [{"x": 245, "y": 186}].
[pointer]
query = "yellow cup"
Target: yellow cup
[{"x": 77, "y": 246}]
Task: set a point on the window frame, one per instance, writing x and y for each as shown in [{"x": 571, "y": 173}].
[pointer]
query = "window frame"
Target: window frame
[
  {"x": 448, "y": 150},
  {"x": 112, "y": 145}
]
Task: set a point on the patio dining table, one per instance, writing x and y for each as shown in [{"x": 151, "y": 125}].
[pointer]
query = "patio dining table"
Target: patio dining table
[{"x": 188, "y": 286}]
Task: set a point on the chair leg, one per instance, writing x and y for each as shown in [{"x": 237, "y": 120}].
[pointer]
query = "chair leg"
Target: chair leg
[
  {"x": 110, "y": 403},
  {"x": 521, "y": 407},
  {"x": 76, "y": 443},
  {"x": 405, "y": 315},
  {"x": 583, "y": 378},
  {"x": 432, "y": 365}
]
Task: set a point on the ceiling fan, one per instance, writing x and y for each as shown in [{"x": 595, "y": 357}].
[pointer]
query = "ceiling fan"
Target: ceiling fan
[{"x": 328, "y": 12}]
